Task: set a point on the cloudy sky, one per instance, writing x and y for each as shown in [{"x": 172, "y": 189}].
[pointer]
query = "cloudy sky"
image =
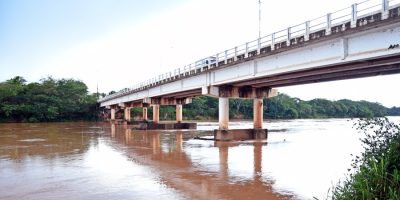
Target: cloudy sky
[{"x": 117, "y": 43}]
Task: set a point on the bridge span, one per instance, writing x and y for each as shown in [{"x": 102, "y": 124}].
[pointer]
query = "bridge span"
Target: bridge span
[{"x": 359, "y": 41}]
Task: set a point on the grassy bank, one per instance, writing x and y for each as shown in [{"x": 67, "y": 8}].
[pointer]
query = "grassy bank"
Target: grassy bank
[{"x": 375, "y": 174}]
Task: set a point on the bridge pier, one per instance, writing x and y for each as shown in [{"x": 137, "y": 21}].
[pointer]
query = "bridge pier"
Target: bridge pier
[
  {"x": 258, "y": 117},
  {"x": 144, "y": 114},
  {"x": 112, "y": 114},
  {"x": 226, "y": 134},
  {"x": 179, "y": 113},
  {"x": 127, "y": 114},
  {"x": 156, "y": 113},
  {"x": 224, "y": 93},
  {"x": 223, "y": 113}
]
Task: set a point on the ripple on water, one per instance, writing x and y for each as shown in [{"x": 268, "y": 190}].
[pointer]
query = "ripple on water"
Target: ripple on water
[
  {"x": 33, "y": 140},
  {"x": 13, "y": 147}
]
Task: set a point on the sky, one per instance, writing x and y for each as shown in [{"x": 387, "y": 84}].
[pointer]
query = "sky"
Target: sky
[{"x": 114, "y": 44}]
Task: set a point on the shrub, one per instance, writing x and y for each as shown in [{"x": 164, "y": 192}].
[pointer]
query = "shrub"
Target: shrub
[{"x": 375, "y": 175}]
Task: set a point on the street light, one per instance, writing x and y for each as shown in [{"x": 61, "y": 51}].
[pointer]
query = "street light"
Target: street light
[{"x": 259, "y": 18}]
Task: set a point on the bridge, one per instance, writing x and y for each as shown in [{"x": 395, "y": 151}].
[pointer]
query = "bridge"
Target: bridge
[{"x": 361, "y": 40}]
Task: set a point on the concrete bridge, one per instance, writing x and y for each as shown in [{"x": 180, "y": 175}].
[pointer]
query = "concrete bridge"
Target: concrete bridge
[{"x": 359, "y": 41}]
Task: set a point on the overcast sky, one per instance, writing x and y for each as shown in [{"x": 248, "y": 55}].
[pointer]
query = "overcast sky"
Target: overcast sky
[{"x": 118, "y": 43}]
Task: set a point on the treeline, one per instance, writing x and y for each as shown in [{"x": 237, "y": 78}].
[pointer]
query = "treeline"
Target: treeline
[
  {"x": 281, "y": 107},
  {"x": 68, "y": 100},
  {"x": 46, "y": 100}
]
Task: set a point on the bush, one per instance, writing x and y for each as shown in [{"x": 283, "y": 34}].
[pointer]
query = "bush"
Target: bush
[{"x": 375, "y": 175}]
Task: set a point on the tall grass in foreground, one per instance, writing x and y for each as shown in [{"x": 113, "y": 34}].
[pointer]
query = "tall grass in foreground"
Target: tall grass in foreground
[{"x": 374, "y": 175}]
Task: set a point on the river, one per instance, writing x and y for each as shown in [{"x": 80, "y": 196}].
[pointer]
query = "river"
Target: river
[{"x": 299, "y": 160}]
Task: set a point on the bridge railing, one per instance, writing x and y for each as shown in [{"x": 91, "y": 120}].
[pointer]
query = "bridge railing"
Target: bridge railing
[
  {"x": 393, "y": 2},
  {"x": 358, "y": 14},
  {"x": 368, "y": 7}
]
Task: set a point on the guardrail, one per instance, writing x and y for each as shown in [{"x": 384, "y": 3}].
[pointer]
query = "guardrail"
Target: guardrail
[{"x": 358, "y": 14}]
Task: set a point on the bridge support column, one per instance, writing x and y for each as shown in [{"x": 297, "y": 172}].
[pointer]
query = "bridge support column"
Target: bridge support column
[
  {"x": 144, "y": 113},
  {"x": 223, "y": 113},
  {"x": 225, "y": 134},
  {"x": 156, "y": 113},
  {"x": 127, "y": 114},
  {"x": 179, "y": 113},
  {"x": 112, "y": 114},
  {"x": 258, "y": 113}
]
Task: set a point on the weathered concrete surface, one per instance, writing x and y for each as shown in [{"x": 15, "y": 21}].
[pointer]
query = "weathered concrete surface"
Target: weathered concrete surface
[
  {"x": 179, "y": 113},
  {"x": 240, "y": 134},
  {"x": 144, "y": 113},
  {"x": 149, "y": 125},
  {"x": 258, "y": 113},
  {"x": 156, "y": 113},
  {"x": 223, "y": 113},
  {"x": 127, "y": 113},
  {"x": 112, "y": 114}
]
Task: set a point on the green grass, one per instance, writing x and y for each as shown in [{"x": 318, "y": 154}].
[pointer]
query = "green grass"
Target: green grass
[{"x": 376, "y": 174}]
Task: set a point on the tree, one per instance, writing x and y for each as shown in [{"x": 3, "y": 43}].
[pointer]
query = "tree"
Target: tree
[{"x": 47, "y": 100}]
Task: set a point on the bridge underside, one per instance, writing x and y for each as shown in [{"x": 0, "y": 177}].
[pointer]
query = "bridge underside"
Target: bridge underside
[{"x": 358, "y": 69}]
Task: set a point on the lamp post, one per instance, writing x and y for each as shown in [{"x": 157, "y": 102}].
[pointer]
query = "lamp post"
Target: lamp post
[{"x": 259, "y": 18}]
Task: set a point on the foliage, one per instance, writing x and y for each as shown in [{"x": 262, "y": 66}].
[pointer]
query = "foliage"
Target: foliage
[
  {"x": 68, "y": 99},
  {"x": 47, "y": 100},
  {"x": 394, "y": 111},
  {"x": 376, "y": 173},
  {"x": 281, "y": 107}
]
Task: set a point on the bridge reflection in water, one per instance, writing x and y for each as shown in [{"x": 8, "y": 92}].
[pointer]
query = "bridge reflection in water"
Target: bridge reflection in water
[{"x": 175, "y": 157}]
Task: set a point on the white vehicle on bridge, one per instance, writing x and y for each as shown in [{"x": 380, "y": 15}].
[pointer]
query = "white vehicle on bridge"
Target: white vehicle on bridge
[{"x": 204, "y": 63}]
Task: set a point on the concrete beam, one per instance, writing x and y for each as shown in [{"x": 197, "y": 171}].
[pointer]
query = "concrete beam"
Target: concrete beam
[
  {"x": 147, "y": 100},
  {"x": 223, "y": 113},
  {"x": 210, "y": 91},
  {"x": 170, "y": 101},
  {"x": 247, "y": 92}
]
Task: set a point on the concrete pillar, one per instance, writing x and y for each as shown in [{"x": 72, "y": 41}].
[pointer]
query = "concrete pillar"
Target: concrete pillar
[
  {"x": 156, "y": 113},
  {"x": 223, "y": 113},
  {"x": 112, "y": 113},
  {"x": 258, "y": 113},
  {"x": 179, "y": 113},
  {"x": 145, "y": 113},
  {"x": 127, "y": 114}
]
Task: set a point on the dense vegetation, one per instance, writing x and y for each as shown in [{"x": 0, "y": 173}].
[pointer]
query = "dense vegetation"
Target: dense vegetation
[
  {"x": 47, "y": 100},
  {"x": 281, "y": 107},
  {"x": 68, "y": 99},
  {"x": 376, "y": 174}
]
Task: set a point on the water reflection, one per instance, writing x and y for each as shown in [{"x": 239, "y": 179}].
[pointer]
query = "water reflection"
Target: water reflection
[
  {"x": 302, "y": 159},
  {"x": 170, "y": 154}
]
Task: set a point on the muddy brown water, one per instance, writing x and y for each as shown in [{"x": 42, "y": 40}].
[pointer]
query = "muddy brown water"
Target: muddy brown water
[{"x": 81, "y": 160}]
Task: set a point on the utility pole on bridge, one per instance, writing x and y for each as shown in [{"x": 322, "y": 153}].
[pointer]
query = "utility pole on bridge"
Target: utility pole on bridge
[{"x": 259, "y": 18}]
